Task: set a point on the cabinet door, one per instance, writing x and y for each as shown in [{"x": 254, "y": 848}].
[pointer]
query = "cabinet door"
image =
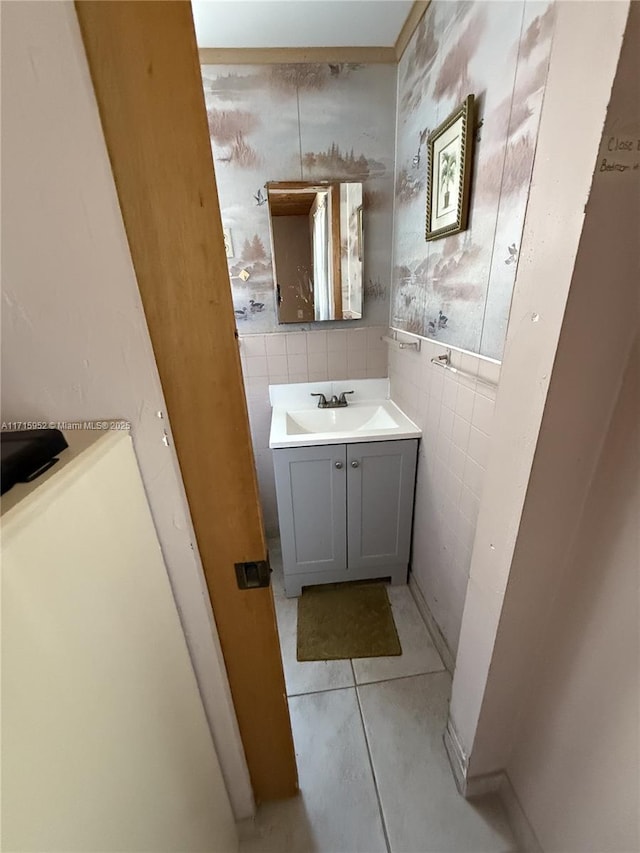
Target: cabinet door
[
  {"x": 311, "y": 491},
  {"x": 380, "y": 489}
]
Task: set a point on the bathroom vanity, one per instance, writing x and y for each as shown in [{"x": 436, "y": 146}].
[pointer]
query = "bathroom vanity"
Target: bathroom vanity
[{"x": 344, "y": 483}]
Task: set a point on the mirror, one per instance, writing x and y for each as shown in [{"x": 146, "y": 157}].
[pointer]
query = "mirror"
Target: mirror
[{"x": 316, "y": 238}]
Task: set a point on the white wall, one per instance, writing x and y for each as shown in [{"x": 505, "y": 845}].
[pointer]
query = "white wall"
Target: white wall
[
  {"x": 105, "y": 743},
  {"x": 575, "y": 768},
  {"x": 455, "y": 413},
  {"x": 75, "y": 345},
  {"x": 575, "y": 761},
  {"x": 559, "y": 382}
]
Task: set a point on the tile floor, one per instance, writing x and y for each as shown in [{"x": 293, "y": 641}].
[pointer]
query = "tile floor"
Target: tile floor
[{"x": 374, "y": 775}]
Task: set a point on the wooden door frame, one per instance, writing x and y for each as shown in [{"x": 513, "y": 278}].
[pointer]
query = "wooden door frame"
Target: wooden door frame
[{"x": 143, "y": 61}]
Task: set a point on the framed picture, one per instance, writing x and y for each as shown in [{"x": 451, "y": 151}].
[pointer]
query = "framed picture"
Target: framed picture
[{"x": 449, "y": 150}]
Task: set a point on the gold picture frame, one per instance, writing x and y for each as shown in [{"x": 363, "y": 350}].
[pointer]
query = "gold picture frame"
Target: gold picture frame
[{"x": 449, "y": 162}]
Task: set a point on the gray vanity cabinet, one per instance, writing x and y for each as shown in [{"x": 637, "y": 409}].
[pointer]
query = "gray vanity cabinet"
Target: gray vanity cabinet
[
  {"x": 380, "y": 484},
  {"x": 345, "y": 511},
  {"x": 311, "y": 490}
]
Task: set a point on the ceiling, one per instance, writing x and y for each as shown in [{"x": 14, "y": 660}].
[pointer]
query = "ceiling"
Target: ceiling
[{"x": 298, "y": 23}]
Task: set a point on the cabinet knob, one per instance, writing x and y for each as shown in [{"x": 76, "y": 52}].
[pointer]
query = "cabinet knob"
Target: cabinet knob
[
  {"x": 354, "y": 464},
  {"x": 338, "y": 464}
]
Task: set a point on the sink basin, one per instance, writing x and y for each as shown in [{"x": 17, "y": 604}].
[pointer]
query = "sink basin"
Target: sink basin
[
  {"x": 354, "y": 418},
  {"x": 296, "y": 420}
]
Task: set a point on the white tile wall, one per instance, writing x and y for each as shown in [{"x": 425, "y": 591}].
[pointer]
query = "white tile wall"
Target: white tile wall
[
  {"x": 313, "y": 356},
  {"x": 455, "y": 414}
]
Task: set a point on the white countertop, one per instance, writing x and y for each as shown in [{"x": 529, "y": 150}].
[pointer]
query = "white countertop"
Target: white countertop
[{"x": 297, "y": 421}]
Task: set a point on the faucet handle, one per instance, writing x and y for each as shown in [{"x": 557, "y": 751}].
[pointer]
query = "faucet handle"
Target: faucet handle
[
  {"x": 322, "y": 402},
  {"x": 343, "y": 398}
]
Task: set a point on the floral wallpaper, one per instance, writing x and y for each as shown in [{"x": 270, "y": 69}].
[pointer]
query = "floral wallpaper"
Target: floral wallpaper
[
  {"x": 458, "y": 289},
  {"x": 300, "y": 122}
]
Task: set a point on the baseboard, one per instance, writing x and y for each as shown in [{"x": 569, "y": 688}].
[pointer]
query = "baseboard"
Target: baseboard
[
  {"x": 487, "y": 783},
  {"x": 456, "y": 756},
  {"x": 490, "y": 783},
  {"x": 520, "y": 826},
  {"x": 432, "y": 626}
]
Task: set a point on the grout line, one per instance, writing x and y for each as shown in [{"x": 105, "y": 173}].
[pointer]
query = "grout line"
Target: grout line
[
  {"x": 373, "y": 772},
  {"x": 400, "y": 677},
  {"x": 365, "y": 683},
  {"x": 322, "y": 690}
]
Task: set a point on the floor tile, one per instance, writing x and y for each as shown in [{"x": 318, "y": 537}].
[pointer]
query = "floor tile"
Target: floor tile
[
  {"x": 337, "y": 809},
  {"x": 301, "y": 676},
  {"x": 275, "y": 561},
  {"x": 305, "y": 676},
  {"x": 423, "y": 811},
  {"x": 419, "y": 655}
]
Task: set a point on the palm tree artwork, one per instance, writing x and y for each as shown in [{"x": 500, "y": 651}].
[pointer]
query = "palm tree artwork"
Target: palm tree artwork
[{"x": 448, "y": 169}]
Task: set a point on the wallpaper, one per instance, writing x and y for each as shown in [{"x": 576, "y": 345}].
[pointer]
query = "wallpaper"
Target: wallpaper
[
  {"x": 300, "y": 122},
  {"x": 458, "y": 289}
]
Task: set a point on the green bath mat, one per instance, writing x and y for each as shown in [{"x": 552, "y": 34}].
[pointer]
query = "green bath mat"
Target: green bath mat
[{"x": 348, "y": 620}]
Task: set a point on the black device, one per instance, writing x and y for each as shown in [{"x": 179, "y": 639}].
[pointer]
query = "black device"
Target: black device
[{"x": 27, "y": 453}]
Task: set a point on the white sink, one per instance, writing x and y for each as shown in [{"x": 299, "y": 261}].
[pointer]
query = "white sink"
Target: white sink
[
  {"x": 298, "y": 422},
  {"x": 359, "y": 418}
]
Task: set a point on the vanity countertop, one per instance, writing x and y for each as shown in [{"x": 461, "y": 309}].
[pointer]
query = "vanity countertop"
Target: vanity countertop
[{"x": 297, "y": 421}]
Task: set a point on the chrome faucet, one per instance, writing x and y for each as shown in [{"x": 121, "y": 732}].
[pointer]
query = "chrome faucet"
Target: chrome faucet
[{"x": 334, "y": 403}]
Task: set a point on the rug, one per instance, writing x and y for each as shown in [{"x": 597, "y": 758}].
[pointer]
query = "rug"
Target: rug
[{"x": 346, "y": 620}]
